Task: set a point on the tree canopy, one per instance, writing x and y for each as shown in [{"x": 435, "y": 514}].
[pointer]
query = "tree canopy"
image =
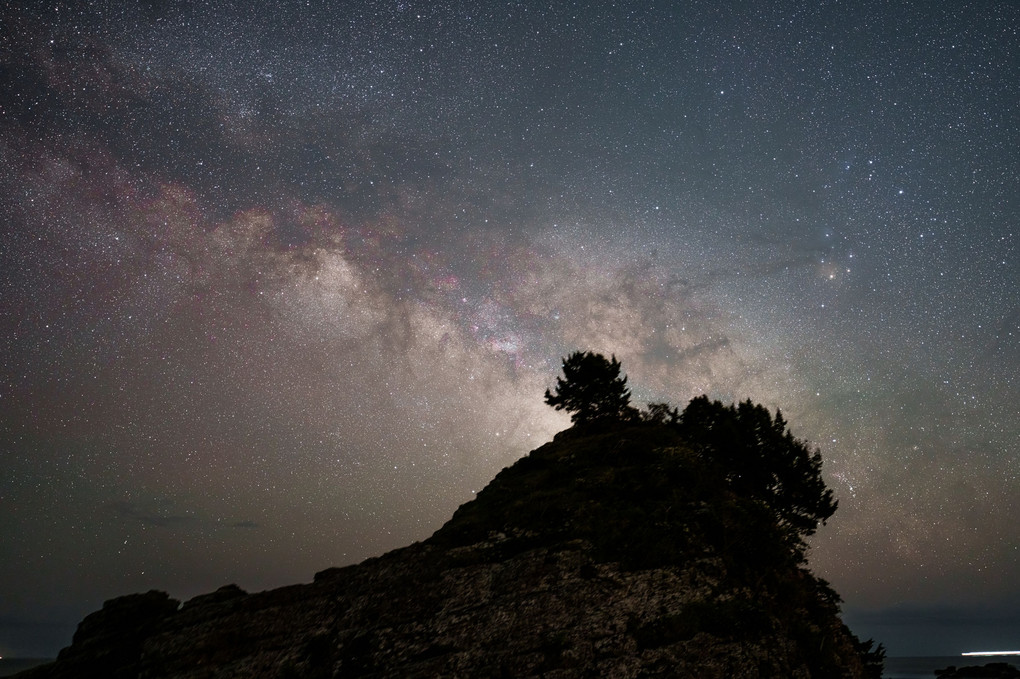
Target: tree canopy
[
  {"x": 751, "y": 451},
  {"x": 591, "y": 389},
  {"x": 758, "y": 457}
]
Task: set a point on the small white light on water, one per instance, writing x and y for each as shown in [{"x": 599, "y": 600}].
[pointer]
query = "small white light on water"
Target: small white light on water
[{"x": 991, "y": 653}]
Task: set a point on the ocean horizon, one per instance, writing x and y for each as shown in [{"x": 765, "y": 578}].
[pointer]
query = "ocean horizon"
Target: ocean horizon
[
  {"x": 9, "y": 666},
  {"x": 915, "y": 667}
]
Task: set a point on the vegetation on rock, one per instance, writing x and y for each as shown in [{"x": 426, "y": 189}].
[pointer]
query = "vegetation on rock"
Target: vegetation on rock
[
  {"x": 743, "y": 446},
  {"x": 723, "y": 484},
  {"x": 644, "y": 498},
  {"x": 591, "y": 390},
  {"x": 653, "y": 544}
]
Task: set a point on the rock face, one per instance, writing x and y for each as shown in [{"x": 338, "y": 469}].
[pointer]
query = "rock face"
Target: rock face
[
  {"x": 606, "y": 555},
  {"x": 994, "y": 670}
]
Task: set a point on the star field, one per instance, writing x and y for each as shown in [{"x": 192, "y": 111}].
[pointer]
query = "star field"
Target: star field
[{"x": 283, "y": 285}]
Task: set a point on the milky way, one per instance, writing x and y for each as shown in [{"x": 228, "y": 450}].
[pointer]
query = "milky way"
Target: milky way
[{"x": 283, "y": 285}]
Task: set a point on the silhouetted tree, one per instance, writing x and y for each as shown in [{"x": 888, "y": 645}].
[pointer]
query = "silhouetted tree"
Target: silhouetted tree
[
  {"x": 873, "y": 657},
  {"x": 661, "y": 413},
  {"x": 750, "y": 451},
  {"x": 759, "y": 457},
  {"x": 591, "y": 389}
]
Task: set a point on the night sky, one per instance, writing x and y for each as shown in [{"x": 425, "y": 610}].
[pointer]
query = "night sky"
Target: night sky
[{"x": 282, "y": 284}]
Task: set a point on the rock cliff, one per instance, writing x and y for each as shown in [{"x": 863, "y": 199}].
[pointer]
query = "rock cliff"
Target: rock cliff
[
  {"x": 995, "y": 670},
  {"x": 612, "y": 554}
]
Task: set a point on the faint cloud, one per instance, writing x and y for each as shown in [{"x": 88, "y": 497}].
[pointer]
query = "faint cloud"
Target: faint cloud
[{"x": 135, "y": 512}]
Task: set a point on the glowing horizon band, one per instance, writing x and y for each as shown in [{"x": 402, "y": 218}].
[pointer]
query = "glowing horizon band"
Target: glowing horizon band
[{"x": 991, "y": 653}]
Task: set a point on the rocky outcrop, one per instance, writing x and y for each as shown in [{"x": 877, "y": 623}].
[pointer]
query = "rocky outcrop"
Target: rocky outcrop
[
  {"x": 109, "y": 642},
  {"x": 994, "y": 670},
  {"x": 604, "y": 555}
]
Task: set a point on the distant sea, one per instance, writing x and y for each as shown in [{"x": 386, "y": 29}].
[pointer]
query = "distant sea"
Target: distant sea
[
  {"x": 915, "y": 668},
  {"x": 9, "y": 666}
]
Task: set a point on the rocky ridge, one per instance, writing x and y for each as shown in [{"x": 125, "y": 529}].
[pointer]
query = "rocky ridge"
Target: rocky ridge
[{"x": 610, "y": 554}]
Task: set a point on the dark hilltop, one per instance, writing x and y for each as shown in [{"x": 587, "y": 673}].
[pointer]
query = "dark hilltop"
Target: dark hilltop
[{"x": 653, "y": 543}]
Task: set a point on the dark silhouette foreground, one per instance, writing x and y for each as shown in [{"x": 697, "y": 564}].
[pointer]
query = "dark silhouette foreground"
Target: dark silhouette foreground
[{"x": 655, "y": 544}]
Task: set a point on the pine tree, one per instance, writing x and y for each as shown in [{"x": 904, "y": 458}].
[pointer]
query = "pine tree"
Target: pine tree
[
  {"x": 758, "y": 457},
  {"x": 591, "y": 389}
]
